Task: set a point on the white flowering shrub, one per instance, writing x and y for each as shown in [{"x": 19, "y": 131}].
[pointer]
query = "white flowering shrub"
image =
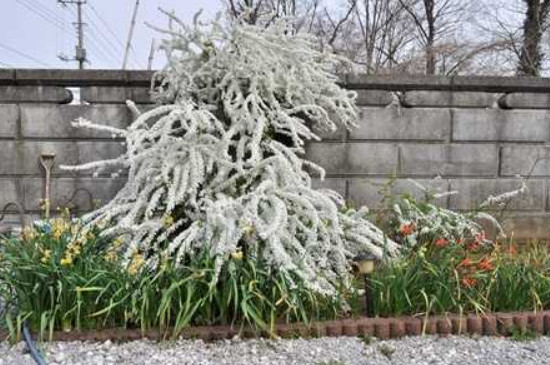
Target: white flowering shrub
[{"x": 219, "y": 165}]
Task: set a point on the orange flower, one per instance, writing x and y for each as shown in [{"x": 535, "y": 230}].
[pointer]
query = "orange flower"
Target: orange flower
[
  {"x": 468, "y": 282},
  {"x": 486, "y": 265},
  {"x": 465, "y": 262},
  {"x": 441, "y": 242},
  {"x": 512, "y": 250},
  {"x": 407, "y": 229}
]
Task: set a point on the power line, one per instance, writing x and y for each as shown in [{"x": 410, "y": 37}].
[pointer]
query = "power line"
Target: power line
[
  {"x": 107, "y": 26},
  {"x": 46, "y": 9},
  {"x": 104, "y": 40},
  {"x": 99, "y": 48},
  {"x": 53, "y": 16},
  {"x": 115, "y": 35},
  {"x": 45, "y": 16},
  {"x": 55, "y": 21},
  {"x": 23, "y": 55}
]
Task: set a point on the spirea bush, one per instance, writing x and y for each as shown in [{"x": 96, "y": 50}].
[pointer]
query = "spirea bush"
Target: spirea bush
[{"x": 219, "y": 164}]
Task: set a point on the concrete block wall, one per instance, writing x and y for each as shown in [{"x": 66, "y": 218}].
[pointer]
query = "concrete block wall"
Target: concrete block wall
[
  {"x": 477, "y": 134},
  {"x": 36, "y": 111}
]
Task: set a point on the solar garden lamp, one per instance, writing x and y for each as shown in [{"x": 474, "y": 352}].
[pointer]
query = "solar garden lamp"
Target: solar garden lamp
[
  {"x": 47, "y": 160},
  {"x": 366, "y": 264}
]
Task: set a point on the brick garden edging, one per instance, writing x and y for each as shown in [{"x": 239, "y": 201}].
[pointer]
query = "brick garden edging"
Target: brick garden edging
[{"x": 492, "y": 324}]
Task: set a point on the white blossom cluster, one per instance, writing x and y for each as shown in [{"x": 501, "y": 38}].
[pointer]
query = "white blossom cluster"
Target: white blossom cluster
[
  {"x": 432, "y": 221},
  {"x": 218, "y": 165},
  {"x": 429, "y": 220}
]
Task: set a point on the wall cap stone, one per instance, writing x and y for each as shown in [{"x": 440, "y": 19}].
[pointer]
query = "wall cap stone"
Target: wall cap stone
[{"x": 381, "y": 82}]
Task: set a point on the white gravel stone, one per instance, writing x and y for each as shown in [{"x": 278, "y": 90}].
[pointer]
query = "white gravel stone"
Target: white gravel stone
[{"x": 322, "y": 351}]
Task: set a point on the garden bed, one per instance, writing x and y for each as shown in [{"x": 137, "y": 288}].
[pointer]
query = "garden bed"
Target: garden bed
[{"x": 491, "y": 324}]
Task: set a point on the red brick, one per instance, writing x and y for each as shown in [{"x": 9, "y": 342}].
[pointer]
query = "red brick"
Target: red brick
[
  {"x": 284, "y": 330},
  {"x": 220, "y": 333},
  {"x": 301, "y": 330},
  {"x": 489, "y": 325},
  {"x": 349, "y": 328},
  {"x": 505, "y": 324},
  {"x": 546, "y": 323},
  {"x": 536, "y": 323},
  {"x": 365, "y": 327},
  {"x": 475, "y": 325},
  {"x": 520, "y": 322},
  {"x": 444, "y": 326},
  {"x": 334, "y": 329},
  {"x": 413, "y": 326},
  {"x": 319, "y": 329},
  {"x": 429, "y": 325},
  {"x": 397, "y": 328},
  {"x": 460, "y": 325},
  {"x": 382, "y": 329}
]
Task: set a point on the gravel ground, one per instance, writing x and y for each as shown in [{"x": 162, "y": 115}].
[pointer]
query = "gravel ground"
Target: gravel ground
[{"x": 322, "y": 351}]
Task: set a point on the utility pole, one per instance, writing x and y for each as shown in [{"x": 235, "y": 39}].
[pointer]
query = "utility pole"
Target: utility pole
[
  {"x": 130, "y": 35},
  {"x": 80, "y": 51},
  {"x": 151, "y": 54}
]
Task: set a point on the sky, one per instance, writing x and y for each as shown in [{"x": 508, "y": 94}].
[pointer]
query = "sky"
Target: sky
[{"x": 34, "y": 32}]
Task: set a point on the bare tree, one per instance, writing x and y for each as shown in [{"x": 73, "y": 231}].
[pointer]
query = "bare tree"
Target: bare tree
[
  {"x": 534, "y": 25},
  {"x": 434, "y": 20},
  {"x": 384, "y": 31},
  {"x": 446, "y": 37},
  {"x": 253, "y": 7},
  {"x": 265, "y": 11}
]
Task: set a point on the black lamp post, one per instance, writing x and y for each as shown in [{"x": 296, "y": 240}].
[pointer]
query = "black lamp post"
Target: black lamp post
[{"x": 366, "y": 263}]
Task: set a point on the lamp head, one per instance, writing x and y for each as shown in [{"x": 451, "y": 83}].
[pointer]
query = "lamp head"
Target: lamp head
[{"x": 365, "y": 263}]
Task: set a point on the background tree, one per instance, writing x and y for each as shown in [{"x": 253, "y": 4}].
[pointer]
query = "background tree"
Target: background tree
[
  {"x": 444, "y": 37},
  {"x": 534, "y": 26}
]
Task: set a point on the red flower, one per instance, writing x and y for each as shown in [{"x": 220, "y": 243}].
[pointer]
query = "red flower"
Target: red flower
[
  {"x": 468, "y": 282},
  {"x": 407, "y": 229},
  {"x": 480, "y": 237},
  {"x": 473, "y": 246},
  {"x": 486, "y": 265},
  {"x": 441, "y": 242},
  {"x": 466, "y": 262}
]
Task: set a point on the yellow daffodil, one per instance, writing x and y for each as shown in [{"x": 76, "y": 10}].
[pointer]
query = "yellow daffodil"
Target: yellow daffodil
[
  {"x": 46, "y": 254},
  {"x": 29, "y": 233},
  {"x": 118, "y": 242},
  {"x": 59, "y": 227},
  {"x": 111, "y": 256},
  {"x": 75, "y": 250},
  {"x": 66, "y": 261},
  {"x": 136, "y": 264},
  {"x": 90, "y": 235}
]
